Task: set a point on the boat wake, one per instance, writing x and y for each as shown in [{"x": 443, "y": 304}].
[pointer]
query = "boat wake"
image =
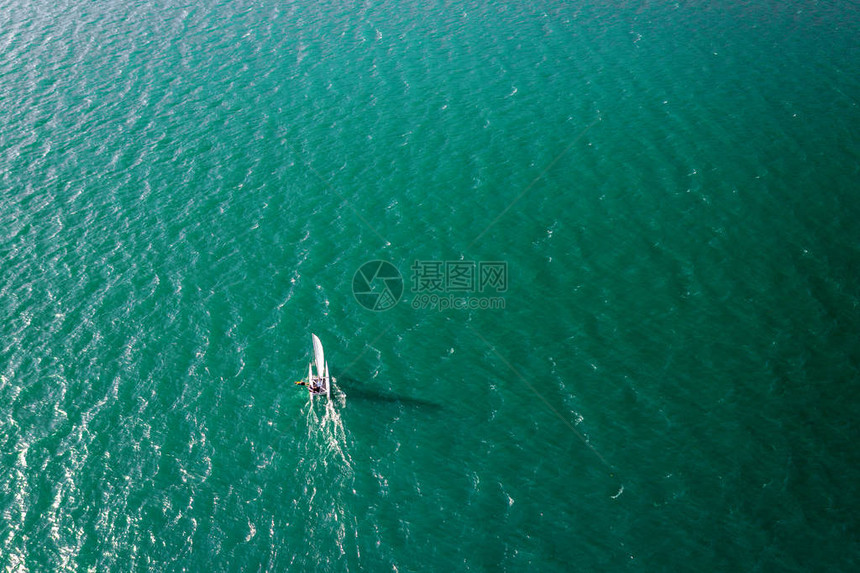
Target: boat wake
[
  {"x": 327, "y": 467},
  {"x": 328, "y": 432}
]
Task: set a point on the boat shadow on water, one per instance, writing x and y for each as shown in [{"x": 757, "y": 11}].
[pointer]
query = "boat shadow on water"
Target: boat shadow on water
[{"x": 357, "y": 390}]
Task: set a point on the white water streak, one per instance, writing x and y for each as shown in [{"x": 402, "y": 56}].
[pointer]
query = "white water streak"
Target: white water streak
[{"x": 328, "y": 468}]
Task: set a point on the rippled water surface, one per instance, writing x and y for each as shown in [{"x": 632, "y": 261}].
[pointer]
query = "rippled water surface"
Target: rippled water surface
[{"x": 671, "y": 379}]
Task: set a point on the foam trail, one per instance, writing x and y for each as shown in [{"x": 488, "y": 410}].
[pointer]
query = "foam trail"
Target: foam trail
[{"x": 328, "y": 468}]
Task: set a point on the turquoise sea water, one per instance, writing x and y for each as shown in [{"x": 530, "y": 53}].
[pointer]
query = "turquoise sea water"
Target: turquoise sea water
[{"x": 187, "y": 190}]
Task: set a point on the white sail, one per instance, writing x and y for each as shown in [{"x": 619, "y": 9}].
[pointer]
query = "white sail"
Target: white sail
[
  {"x": 327, "y": 383},
  {"x": 310, "y": 376},
  {"x": 319, "y": 357}
]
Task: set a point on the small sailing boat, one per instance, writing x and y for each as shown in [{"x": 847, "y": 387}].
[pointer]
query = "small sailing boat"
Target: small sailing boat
[{"x": 321, "y": 383}]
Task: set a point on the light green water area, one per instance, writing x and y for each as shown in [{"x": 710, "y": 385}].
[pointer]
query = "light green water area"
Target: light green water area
[{"x": 669, "y": 380}]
